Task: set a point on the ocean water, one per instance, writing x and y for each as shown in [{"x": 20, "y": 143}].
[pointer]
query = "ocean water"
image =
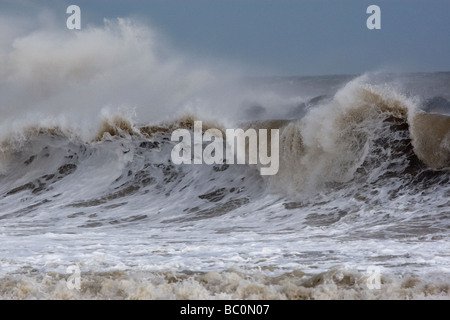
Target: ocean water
[{"x": 92, "y": 207}]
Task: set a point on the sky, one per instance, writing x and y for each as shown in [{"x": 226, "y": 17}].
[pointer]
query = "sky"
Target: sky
[{"x": 281, "y": 38}]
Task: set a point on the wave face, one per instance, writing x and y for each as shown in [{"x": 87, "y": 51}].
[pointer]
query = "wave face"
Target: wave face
[{"x": 363, "y": 182}]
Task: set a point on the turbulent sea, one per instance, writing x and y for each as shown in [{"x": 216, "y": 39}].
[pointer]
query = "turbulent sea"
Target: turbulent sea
[{"x": 363, "y": 182}]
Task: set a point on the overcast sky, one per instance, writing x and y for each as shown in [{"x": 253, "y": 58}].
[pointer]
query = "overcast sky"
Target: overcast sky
[{"x": 282, "y": 37}]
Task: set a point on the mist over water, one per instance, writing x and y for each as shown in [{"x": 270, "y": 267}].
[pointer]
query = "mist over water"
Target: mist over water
[
  {"x": 86, "y": 177},
  {"x": 73, "y": 78}
]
